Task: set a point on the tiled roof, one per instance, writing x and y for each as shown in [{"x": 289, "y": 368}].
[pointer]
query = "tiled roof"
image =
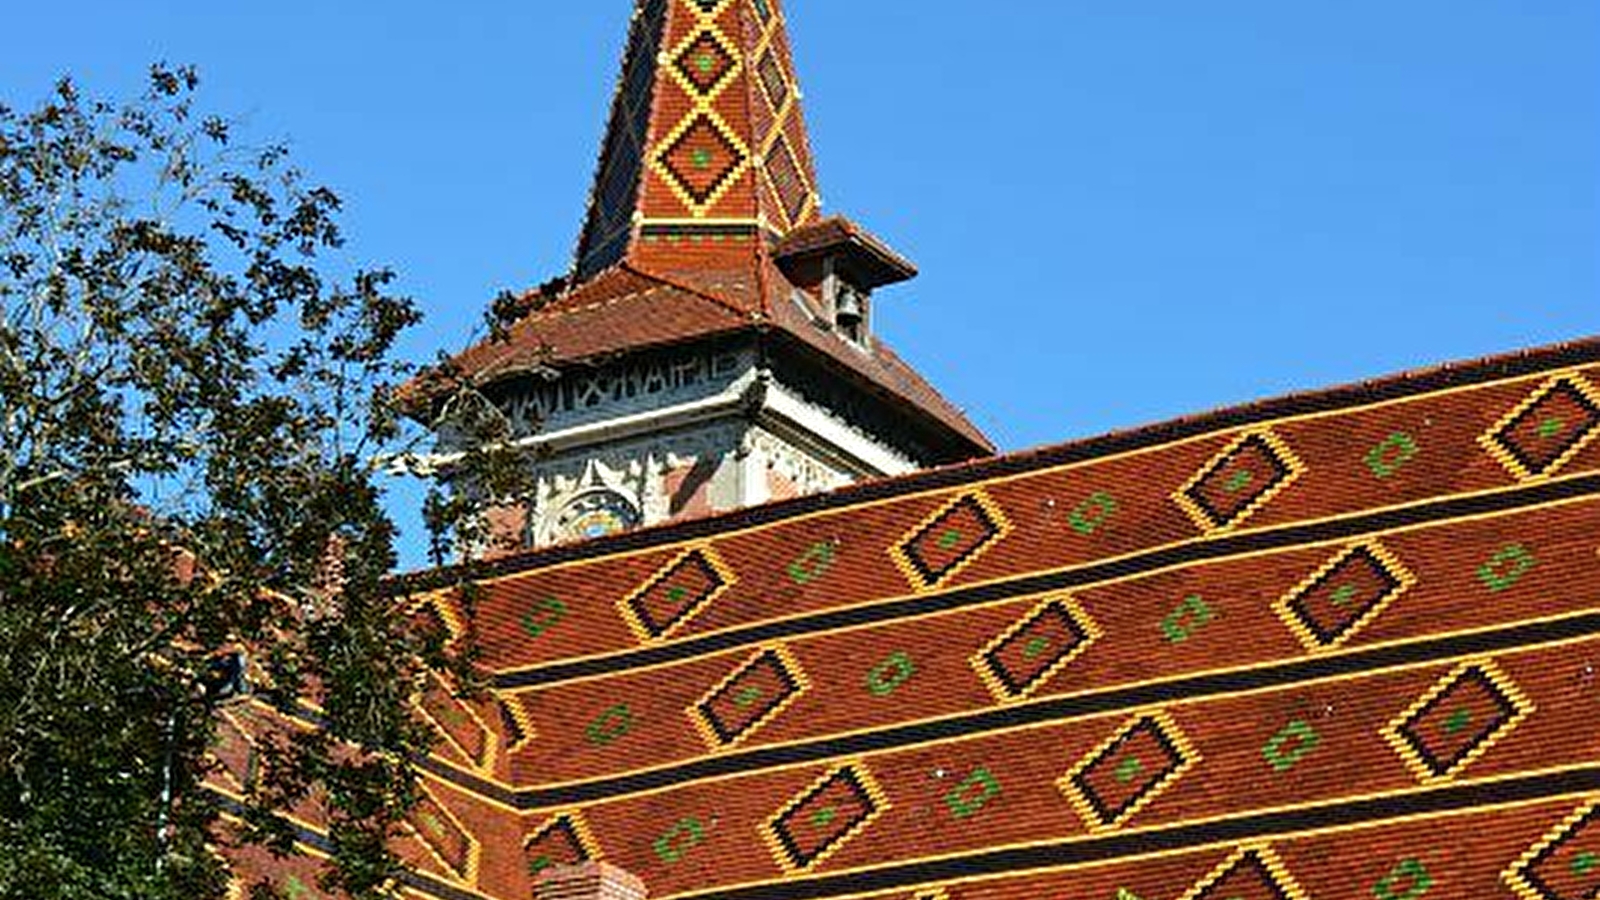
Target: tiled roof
[
  {"x": 621, "y": 310},
  {"x": 1339, "y": 644},
  {"x": 627, "y": 309},
  {"x": 885, "y": 264},
  {"x": 705, "y": 177},
  {"x": 707, "y": 140}
]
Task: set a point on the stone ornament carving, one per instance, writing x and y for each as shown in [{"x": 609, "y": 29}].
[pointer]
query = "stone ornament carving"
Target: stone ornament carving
[
  {"x": 622, "y": 483},
  {"x": 578, "y": 396},
  {"x": 593, "y": 514},
  {"x": 808, "y": 474}
]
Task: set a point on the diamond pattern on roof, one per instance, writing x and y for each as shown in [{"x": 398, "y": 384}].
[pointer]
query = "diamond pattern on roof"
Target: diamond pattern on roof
[
  {"x": 676, "y": 594},
  {"x": 788, "y": 181},
  {"x": 518, "y": 724},
  {"x": 234, "y": 753},
  {"x": 773, "y": 82},
  {"x": 457, "y": 722},
  {"x": 1251, "y": 873},
  {"x": 444, "y": 837},
  {"x": 613, "y": 197},
  {"x": 822, "y": 818},
  {"x": 1544, "y": 432},
  {"x": 1457, "y": 721},
  {"x": 701, "y": 159},
  {"x": 1025, "y": 656},
  {"x": 950, "y": 540},
  {"x": 1124, "y": 774},
  {"x": 1344, "y": 596},
  {"x": 688, "y": 141},
  {"x": 563, "y": 840},
  {"x": 750, "y": 697},
  {"x": 1241, "y": 479},
  {"x": 704, "y": 63},
  {"x": 1565, "y": 864}
]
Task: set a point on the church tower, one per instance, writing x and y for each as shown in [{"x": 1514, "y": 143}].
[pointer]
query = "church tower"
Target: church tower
[{"x": 712, "y": 347}]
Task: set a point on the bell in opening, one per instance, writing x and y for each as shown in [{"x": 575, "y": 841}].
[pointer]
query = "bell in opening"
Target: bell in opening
[{"x": 850, "y": 313}]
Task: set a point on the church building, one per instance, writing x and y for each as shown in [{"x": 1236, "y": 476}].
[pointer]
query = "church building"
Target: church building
[
  {"x": 712, "y": 348},
  {"x": 784, "y": 627}
]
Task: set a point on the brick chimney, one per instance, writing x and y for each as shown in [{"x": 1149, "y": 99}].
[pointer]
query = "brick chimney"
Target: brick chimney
[{"x": 589, "y": 881}]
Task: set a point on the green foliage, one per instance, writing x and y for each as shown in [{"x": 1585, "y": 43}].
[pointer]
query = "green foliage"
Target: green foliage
[{"x": 193, "y": 386}]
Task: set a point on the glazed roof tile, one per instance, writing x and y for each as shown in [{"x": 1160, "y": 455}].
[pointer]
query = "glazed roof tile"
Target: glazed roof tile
[
  {"x": 885, "y": 264},
  {"x": 705, "y": 174},
  {"x": 1381, "y": 390},
  {"x": 620, "y": 311},
  {"x": 1269, "y": 648},
  {"x": 626, "y": 310},
  {"x": 1340, "y": 642}
]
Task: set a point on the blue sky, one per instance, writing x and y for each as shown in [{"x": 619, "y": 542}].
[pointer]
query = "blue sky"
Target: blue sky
[{"x": 1124, "y": 210}]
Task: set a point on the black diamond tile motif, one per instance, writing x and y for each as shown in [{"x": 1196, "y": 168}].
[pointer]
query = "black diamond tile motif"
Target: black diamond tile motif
[
  {"x": 1128, "y": 771},
  {"x": 784, "y": 172},
  {"x": 562, "y": 841},
  {"x": 1026, "y": 655},
  {"x": 456, "y": 721},
  {"x": 676, "y": 594},
  {"x": 443, "y": 836},
  {"x": 772, "y": 80},
  {"x": 823, "y": 817},
  {"x": 1254, "y": 873},
  {"x": 1343, "y": 596},
  {"x": 950, "y": 540},
  {"x": 606, "y": 227},
  {"x": 644, "y": 48},
  {"x": 706, "y": 6},
  {"x": 1457, "y": 721},
  {"x": 1565, "y": 865},
  {"x": 234, "y": 753},
  {"x": 1548, "y": 429},
  {"x": 705, "y": 63},
  {"x": 1238, "y": 481},
  {"x": 753, "y": 695},
  {"x": 702, "y": 159},
  {"x": 514, "y": 719}
]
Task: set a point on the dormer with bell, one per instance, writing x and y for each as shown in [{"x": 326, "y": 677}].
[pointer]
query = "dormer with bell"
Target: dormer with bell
[
  {"x": 838, "y": 266},
  {"x": 712, "y": 347}
]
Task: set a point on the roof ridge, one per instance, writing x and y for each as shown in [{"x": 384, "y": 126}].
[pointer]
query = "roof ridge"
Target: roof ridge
[
  {"x": 1522, "y": 363},
  {"x": 763, "y": 258},
  {"x": 762, "y": 251},
  {"x": 705, "y": 146},
  {"x": 687, "y": 288},
  {"x": 560, "y": 307}
]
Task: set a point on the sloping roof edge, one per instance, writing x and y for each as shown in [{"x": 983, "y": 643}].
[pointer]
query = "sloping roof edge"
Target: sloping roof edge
[{"x": 1391, "y": 387}]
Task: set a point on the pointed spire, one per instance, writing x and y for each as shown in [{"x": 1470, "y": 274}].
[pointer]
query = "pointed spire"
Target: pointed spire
[{"x": 706, "y": 153}]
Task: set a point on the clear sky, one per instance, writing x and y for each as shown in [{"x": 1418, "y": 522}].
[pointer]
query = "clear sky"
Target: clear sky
[{"x": 1124, "y": 210}]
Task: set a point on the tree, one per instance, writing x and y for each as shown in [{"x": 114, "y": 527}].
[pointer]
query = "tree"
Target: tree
[{"x": 193, "y": 385}]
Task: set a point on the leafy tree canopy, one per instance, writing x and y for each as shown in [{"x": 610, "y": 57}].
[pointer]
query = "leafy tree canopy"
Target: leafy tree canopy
[{"x": 193, "y": 386}]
